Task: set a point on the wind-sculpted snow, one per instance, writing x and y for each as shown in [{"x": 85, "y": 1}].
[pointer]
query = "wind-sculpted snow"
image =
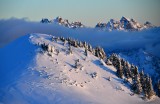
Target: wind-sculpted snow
[{"x": 147, "y": 39}]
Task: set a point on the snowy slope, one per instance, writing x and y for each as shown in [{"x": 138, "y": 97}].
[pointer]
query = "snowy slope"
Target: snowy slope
[{"x": 29, "y": 75}]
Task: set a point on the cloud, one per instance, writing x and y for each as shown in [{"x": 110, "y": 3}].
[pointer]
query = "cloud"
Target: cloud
[{"x": 149, "y": 40}]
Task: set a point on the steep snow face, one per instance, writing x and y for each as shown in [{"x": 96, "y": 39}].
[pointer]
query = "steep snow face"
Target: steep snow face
[
  {"x": 30, "y": 75},
  {"x": 130, "y": 24},
  {"x": 15, "y": 58},
  {"x": 114, "y": 25}
]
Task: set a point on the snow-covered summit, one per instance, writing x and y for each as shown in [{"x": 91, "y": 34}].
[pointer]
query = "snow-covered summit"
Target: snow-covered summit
[
  {"x": 40, "y": 68},
  {"x": 148, "y": 25},
  {"x": 45, "y": 20},
  {"x": 64, "y": 22},
  {"x": 124, "y": 24}
]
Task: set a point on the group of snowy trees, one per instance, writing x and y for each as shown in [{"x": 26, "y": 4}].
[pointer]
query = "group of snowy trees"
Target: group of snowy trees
[
  {"x": 98, "y": 51},
  {"x": 146, "y": 84},
  {"x": 47, "y": 47},
  {"x": 140, "y": 82}
]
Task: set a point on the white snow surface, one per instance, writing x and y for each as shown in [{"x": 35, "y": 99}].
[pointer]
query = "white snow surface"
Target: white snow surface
[{"x": 28, "y": 75}]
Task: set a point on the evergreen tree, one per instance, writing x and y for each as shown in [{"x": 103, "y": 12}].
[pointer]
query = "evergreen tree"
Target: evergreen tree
[
  {"x": 126, "y": 69},
  {"x": 147, "y": 87},
  {"x": 119, "y": 69},
  {"x": 108, "y": 62},
  {"x": 93, "y": 51},
  {"x": 103, "y": 54},
  {"x": 114, "y": 59},
  {"x": 142, "y": 79},
  {"x": 76, "y": 64},
  {"x": 116, "y": 62},
  {"x": 43, "y": 45},
  {"x": 137, "y": 87},
  {"x": 89, "y": 48},
  {"x": 49, "y": 48},
  {"x": 64, "y": 42},
  {"x": 84, "y": 44},
  {"x": 86, "y": 52},
  {"x": 150, "y": 91},
  {"x": 158, "y": 88},
  {"x": 141, "y": 75},
  {"x": 75, "y": 43},
  {"x": 97, "y": 52},
  {"x": 111, "y": 57},
  {"x": 132, "y": 71},
  {"x": 145, "y": 84},
  {"x": 136, "y": 70},
  {"x": 122, "y": 63},
  {"x": 70, "y": 49},
  {"x": 80, "y": 44},
  {"x": 52, "y": 49}
]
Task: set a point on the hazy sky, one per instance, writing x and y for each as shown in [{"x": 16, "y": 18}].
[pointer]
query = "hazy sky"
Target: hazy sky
[{"x": 89, "y": 12}]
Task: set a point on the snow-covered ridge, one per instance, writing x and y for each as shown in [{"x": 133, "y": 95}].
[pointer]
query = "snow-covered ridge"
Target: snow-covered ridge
[
  {"x": 57, "y": 70},
  {"x": 124, "y": 24}
]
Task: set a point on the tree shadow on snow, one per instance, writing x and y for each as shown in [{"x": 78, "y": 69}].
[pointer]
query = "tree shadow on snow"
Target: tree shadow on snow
[
  {"x": 99, "y": 64},
  {"x": 72, "y": 66}
]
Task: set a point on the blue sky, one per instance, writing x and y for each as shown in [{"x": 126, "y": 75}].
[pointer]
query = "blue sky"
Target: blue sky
[{"x": 89, "y": 12}]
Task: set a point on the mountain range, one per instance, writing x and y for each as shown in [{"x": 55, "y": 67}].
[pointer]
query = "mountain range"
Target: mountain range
[{"x": 124, "y": 24}]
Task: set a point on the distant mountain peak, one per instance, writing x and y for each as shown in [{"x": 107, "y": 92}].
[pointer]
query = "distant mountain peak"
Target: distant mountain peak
[
  {"x": 64, "y": 22},
  {"x": 148, "y": 24},
  {"x": 124, "y": 24},
  {"x": 124, "y": 19},
  {"x": 45, "y": 20}
]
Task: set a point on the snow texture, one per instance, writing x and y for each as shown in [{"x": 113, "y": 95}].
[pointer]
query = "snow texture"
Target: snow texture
[{"x": 30, "y": 75}]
